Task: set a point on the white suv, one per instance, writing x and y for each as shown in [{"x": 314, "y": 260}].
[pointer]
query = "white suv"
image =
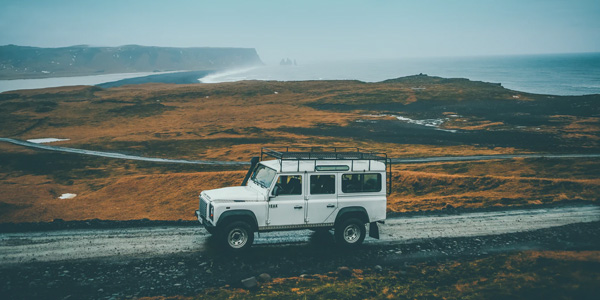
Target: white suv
[{"x": 301, "y": 188}]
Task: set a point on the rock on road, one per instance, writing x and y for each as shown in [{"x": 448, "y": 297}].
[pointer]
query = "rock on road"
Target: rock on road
[{"x": 65, "y": 245}]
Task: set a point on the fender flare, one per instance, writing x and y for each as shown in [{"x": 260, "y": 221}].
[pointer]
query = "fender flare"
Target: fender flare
[
  {"x": 358, "y": 211},
  {"x": 238, "y": 214}
]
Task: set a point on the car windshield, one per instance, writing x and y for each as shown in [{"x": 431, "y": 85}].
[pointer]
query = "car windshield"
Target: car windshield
[{"x": 263, "y": 176}]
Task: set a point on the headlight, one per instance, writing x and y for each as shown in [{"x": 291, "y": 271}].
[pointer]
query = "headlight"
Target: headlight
[{"x": 211, "y": 211}]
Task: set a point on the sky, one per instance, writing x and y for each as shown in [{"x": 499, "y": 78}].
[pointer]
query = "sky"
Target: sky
[{"x": 308, "y": 30}]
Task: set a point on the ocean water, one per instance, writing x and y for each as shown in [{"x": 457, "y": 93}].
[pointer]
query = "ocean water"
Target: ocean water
[
  {"x": 25, "y": 84},
  {"x": 557, "y": 74}
]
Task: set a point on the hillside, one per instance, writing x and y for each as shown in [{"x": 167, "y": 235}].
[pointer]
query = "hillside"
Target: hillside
[
  {"x": 417, "y": 116},
  {"x": 19, "y": 62}
]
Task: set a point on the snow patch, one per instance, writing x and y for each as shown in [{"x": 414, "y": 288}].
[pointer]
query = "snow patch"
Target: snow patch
[
  {"x": 67, "y": 196},
  {"x": 435, "y": 123},
  {"x": 424, "y": 122},
  {"x": 46, "y": 140}
]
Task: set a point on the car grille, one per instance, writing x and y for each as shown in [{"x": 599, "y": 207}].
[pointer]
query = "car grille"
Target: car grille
[{"x": 203, "y": 207}]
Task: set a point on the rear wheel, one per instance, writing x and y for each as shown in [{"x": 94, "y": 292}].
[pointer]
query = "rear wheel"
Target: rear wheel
[
  {"x": 350, "y": 232},
  {"x": 237, "y": 236}
]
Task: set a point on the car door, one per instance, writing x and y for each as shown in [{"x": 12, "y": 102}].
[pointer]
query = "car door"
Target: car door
[
  {"x": 286, "y": 203},
  {"x": 322, "y": 198}
]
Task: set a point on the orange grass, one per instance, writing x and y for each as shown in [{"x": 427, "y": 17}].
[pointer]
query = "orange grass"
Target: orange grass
[
  {"x": 92, "y": 116},
  {"x": 174, "y": 196},
  {"x": 231, "y": 121}
]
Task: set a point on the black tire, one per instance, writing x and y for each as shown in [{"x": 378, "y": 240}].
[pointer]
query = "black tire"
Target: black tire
[
  {"x": 211, "y": 230},
  {"x": 350, "y": 232},
  {"x": 237, "y": 236}
]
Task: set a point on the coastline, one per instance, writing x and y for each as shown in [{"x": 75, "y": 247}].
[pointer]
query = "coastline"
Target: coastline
[
  {"x": 186, "y": 77},
  {"x": 546, "y": 74},
  {"x": 9, "y": 85}
]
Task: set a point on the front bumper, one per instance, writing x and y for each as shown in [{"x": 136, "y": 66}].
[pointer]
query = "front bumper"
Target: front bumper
[
  {"x": 203, "y": 221},
  {"x": 197, "y": 214}
]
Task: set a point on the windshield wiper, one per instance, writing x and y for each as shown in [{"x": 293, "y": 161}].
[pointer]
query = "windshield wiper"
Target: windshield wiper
[{"x": 259, "y": 182}]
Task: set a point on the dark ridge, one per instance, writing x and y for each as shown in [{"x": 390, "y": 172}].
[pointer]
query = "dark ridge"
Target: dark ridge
[
  {"x": 32, "y": 62},
  {"x": 176, "y": 78},
  {"x": 388, "y": 131}
]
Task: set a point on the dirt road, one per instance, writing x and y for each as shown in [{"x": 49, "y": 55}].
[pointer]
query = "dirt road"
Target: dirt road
[
  {"x": 117, "y": 155},
  {"x": 229, "y": 163},
  {"x": 153, "y": 241}
]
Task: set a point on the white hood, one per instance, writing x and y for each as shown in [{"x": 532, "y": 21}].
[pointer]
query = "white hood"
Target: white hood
[{"x": 243, "y": 193}]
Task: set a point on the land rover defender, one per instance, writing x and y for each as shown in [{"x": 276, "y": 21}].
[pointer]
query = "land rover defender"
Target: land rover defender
[{"x": 301, "y": 188}]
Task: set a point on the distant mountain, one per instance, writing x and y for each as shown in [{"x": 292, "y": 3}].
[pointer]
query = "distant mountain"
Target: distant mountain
[{"x": 33, "y": 62}]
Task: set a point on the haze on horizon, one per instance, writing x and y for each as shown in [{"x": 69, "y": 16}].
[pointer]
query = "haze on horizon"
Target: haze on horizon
[{"x": 312, "y": 30}]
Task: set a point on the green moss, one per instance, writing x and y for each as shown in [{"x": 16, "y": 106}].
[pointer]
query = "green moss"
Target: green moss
[{"x": 140, "y": 110}]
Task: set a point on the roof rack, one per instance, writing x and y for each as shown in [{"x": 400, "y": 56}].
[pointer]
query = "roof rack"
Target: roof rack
[{"x": 328, "y": 153}]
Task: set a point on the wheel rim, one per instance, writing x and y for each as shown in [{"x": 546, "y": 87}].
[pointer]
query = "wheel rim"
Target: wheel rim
[
  {"x": 351, "y": 233},
  {"x": 237, "y": 238}
]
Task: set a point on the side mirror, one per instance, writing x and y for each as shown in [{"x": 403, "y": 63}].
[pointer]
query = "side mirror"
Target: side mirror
[{"x": 276, "y": 191}]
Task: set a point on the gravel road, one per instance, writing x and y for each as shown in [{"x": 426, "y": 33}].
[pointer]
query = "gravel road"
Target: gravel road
[
  {"x": 183, "y": 260},
  {"x": 149, "y": 241},
  {"x": 118, "y": 155},
  {"x": 215, "y": 162}
]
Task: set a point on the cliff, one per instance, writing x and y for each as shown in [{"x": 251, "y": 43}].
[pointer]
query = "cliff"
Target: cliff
[{"x": 17, "y": 62}]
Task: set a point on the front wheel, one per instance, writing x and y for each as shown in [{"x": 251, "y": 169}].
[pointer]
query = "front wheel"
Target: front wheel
[
  {"x": 211, "y": 230},
  {"x": 350, "y": 232},
  {"x": 237, "y": 236}
]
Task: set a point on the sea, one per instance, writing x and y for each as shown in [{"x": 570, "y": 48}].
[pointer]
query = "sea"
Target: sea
[
  {"x": 553, "y": 74},
  {"x": 556, "y": 74}
]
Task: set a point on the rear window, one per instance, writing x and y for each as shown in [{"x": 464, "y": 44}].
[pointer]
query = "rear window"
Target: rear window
[{"x": 358, "y": 183}]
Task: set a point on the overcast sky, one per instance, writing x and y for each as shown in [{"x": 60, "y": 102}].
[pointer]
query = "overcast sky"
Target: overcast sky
[{"x": 312, "y": 30}]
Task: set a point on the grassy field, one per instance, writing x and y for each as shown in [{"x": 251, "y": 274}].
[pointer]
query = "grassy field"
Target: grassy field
[
  {"x": 33, "y": 181},
  {"x": 231, "y": 121}
]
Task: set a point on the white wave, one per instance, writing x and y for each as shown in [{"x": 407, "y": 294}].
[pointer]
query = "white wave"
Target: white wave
[{"x": 226, "y": 76}]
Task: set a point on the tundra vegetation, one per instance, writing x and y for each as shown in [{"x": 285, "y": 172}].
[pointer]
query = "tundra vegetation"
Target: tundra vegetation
[{"x": 231, "y": 121}]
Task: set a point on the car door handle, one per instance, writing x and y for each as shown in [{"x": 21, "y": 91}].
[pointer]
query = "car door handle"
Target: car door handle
[
  {"x": 330, "y": 205},
  {"x": 297, "y": 207}
]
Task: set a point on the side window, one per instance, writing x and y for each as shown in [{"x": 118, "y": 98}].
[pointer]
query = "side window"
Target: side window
[
  {"x": 289, "y": 185},
  {"x": 322, "y": 184},
  {"x": 357, "y": 183}
]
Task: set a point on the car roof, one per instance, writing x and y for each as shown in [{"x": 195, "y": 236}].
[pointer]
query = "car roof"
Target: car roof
[{"x": 312, "y": 165}]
